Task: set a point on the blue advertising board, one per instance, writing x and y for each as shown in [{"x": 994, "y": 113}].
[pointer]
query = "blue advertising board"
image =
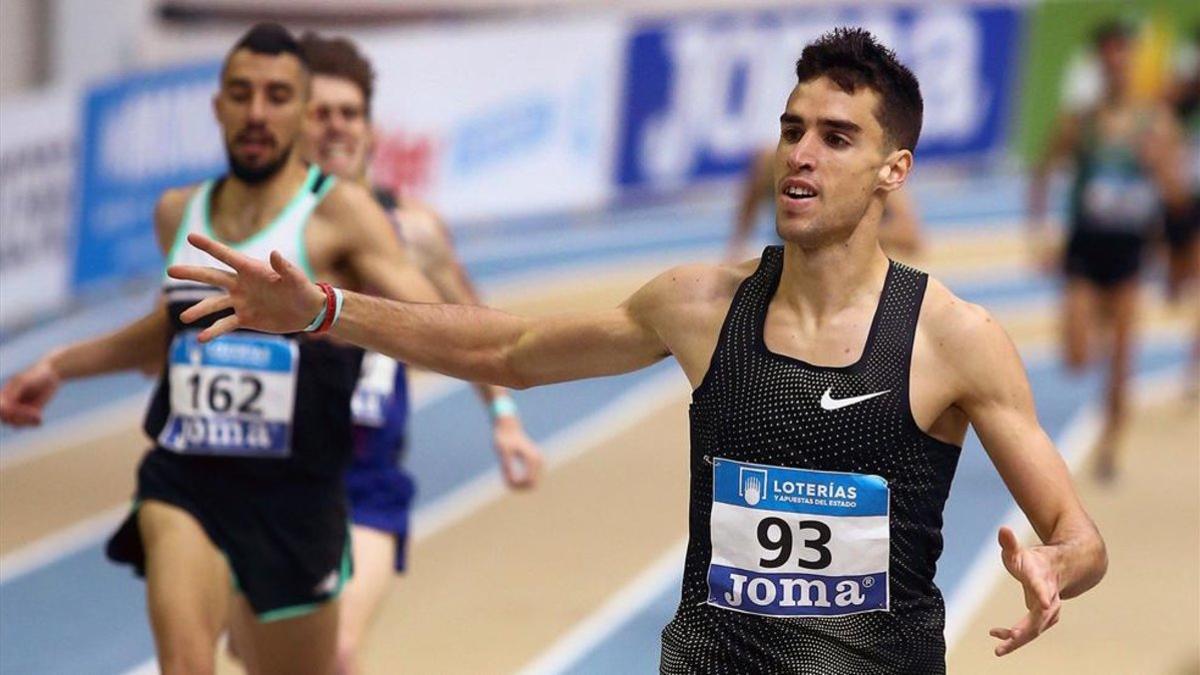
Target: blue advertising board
[
  {"x": 702, "y": 94},
  {"x": 141, "y": 134}
]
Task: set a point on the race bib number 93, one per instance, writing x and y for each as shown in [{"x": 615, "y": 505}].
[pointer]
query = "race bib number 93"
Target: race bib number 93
[{"x": 795, "y": 542}]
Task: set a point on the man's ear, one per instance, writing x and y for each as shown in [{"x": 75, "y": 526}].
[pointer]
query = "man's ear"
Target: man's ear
[{"x": 895, "y": 170}]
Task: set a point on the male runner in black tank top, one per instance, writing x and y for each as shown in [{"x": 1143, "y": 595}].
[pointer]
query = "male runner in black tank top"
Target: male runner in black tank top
[
  {"x": 833, "y": 389},
  {"x": 274, "y": 526}
]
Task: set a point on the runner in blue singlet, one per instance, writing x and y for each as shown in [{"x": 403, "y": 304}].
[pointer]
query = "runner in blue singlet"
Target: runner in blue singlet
[{"x": 338, "y": 137}]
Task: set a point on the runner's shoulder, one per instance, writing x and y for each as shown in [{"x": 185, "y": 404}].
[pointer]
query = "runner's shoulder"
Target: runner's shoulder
[
  {"x": 173, "y": 202},
  {"x": 701, "y": 283},
  {"x": 347, "y": 208},
  {"x": 422, "y": 227},
  {"x": 344, "y": 198},
  {"x": 169, "y": 211},
  {"x": 691, "y": 292},
  {"x": 955, "y": 328}
]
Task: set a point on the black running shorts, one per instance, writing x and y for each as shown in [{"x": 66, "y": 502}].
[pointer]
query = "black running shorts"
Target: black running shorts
[{"x": 286, "y": 540}]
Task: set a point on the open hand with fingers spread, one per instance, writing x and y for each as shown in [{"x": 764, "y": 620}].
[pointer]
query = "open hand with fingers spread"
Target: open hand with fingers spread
[
  {"x": 1034, "y": 567},
  {"x": 272, "y": 298}
]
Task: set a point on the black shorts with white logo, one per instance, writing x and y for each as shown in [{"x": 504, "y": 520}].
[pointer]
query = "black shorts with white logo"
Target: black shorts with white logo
[{"x": 286, "y": 540}]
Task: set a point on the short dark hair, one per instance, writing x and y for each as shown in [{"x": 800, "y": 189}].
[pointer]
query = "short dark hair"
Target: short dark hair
[
  {"x": 853, "y": 58},
  {"x": 340, "y": 57},
  {"x": 267, "y": 38},
  {"x": 1112, "y": 30}
]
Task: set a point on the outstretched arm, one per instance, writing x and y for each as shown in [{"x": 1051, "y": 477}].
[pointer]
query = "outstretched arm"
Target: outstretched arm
[
  {"x": 137, "y": 345},
  {"x": 470, "y": 343},
  {"x": 140, "y": 344},
  {"x": 998, "y": 401}
]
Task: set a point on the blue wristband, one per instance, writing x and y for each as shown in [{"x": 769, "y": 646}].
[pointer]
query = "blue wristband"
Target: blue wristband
[{"x": 503, "y": 406}]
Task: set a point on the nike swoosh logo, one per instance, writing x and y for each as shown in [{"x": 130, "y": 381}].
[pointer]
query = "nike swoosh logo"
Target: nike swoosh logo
[{"x": 828, "y": 402}]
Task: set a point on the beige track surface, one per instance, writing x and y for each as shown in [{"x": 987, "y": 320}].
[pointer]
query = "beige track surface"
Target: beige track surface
[{"x": 1144, "y": 617}]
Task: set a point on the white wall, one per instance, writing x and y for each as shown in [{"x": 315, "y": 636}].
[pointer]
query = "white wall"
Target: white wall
[{"x": 92, "y": 39}]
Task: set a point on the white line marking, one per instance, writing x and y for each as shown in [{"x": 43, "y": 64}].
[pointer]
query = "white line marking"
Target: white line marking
[
  {"x": 74, "y": 431},
  {"x": 561, "y": 448},
  {"x": 626, "y": 603},
  {"x": 1075, "y": 443},
  {"x": 148, "y": 668},
  {"x": 60, "y": 544}
]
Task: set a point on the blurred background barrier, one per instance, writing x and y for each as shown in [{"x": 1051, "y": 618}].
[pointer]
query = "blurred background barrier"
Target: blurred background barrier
[
  {"x": 1059, "y": 70},
  {"x": 622, "y": 103},
  {"x": 142, "y": 133},
  {"x": 37, "y": 179},
  {"x": 704, "y": 93},
  {"x": 511, "y": 118}
]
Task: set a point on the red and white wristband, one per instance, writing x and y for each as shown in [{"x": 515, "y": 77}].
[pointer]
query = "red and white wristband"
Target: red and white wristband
[{"x": 330, "y": 312}]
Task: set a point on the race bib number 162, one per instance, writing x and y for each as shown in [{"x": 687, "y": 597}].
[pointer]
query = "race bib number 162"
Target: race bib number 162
[
  {"x": 795, "y": 542},
  {"x": 233, "y": 396}
]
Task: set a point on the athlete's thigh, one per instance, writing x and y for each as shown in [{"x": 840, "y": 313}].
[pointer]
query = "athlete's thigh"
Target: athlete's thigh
[
  {"x": 1183, "y": 267},
  {"x": 187, "y": 584},
  {"x": 1079, "y": 319},
  {"x": 1120, "y": 303},
  {"x": 241, "y": 640},
  {"x": 304, "y": 645},
  {"x": 374, "y": 567}
]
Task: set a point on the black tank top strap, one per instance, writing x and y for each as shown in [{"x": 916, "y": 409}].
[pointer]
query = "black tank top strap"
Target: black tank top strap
[
  {"x": 895, "y": 326},
  {"x": 744, "y": 327},
  {"x": 318, "y": 182},
  {"x": 740, "y": 330}
]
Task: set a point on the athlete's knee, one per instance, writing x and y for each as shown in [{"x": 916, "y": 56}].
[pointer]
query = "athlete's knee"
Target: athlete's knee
[
  {"x": 187, "y": 657},
  {"x": 1076, "y": 355},
  {"x": 347, "y": 655}
]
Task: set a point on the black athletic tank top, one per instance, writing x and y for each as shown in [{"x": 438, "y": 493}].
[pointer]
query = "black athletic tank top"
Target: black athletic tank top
[
  {"x": 816, "y": 504},
  {"x": 248, "y": 402}
]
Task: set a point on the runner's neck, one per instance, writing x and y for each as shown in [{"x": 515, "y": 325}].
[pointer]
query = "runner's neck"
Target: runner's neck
[
  {"x": 241, "y": 210},
  {"x": 821, "y": 281}
]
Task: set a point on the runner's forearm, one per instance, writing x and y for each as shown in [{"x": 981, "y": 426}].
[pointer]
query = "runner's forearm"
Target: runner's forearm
[
  {"x": 135, "y": 346},
  {"x": 464, "y": 341},
  {"x": 1080, "y": 557}
]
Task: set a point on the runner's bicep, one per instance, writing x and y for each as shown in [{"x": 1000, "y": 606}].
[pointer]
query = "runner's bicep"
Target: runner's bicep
[
  {"x": 998, "y": 401},
  {"x": 577, "y": 346}
]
